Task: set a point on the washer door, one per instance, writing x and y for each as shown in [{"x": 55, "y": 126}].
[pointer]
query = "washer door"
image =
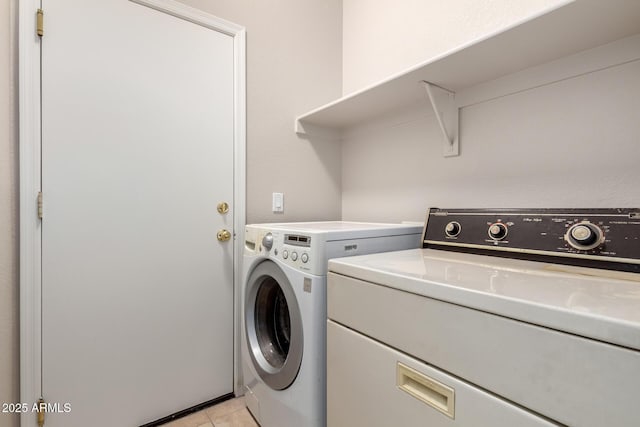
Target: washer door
[{"x": 273, "y": 326}]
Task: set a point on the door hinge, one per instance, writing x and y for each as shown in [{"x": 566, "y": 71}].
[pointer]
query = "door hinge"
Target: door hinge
[
  {"x": 40, "y": 22},
  {"x": 40, "y": 204},
  {"x": 41, "y": 411}
]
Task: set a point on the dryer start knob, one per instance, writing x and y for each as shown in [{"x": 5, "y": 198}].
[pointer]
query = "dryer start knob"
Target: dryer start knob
[{"x": 584, "y": 236}]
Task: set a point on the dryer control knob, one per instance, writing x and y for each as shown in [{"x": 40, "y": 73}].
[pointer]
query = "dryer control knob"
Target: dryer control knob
[
  {"x": 304, "y": 257},
  {"x": 452, "y": 229},
  {"x": 294, "y": 256},
  {"x": 584, "y": 236},
  {"x": 497, "y": 231},
  {"x": 267, "y": 241}
]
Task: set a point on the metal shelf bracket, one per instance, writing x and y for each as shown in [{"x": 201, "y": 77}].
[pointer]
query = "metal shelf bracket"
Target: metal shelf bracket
[{"x": 443, "y": 103}]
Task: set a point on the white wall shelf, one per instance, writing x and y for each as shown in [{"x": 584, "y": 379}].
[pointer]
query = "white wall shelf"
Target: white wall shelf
[{"x": 571, "y": 28}]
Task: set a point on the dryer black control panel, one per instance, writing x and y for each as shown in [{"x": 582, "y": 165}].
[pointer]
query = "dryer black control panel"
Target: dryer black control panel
[{"x": 602, "y": 238}]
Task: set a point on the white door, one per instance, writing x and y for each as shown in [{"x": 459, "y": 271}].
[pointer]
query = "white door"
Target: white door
[{"x": 137, "y": 151}]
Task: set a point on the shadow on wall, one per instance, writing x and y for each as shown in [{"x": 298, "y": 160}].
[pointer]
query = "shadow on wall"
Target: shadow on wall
[{"x": 328, "y": 150}]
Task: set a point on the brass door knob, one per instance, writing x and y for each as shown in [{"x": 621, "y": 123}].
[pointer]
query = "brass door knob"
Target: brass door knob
[
  {"x": 223, "y": 207},
  {"x": 224, "y": 235}
]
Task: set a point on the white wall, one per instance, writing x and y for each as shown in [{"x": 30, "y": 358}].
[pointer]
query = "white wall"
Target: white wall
[
  {"x": 9, "y": 333},
  {"x": 385, "y": 37},
  {"x": 569, "y": 144},
  {"x": 294, "y": 64}
]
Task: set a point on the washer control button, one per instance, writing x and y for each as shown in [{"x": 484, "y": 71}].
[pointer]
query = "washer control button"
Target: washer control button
[
  {"x": 294, "y": 256},
  {"x": 452, "y": 229},
  {"x": 304, "y": 257},
  {"x": 497, "y": 231},
  {"x": 285, "y": 254}
]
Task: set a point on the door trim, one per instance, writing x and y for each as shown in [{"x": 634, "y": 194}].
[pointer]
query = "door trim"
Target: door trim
[
  {"x": 30, "y": 228},
  {"x": 30, "y": 141}
]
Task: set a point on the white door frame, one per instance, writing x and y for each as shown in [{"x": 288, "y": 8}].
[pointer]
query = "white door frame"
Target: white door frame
[{"x": 30, "y": 182}]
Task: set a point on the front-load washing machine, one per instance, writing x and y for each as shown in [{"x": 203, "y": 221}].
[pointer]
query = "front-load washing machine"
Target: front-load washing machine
[{"x": 284, "y": 311}]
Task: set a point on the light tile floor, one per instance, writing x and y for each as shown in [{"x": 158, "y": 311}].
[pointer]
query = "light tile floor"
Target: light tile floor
[{"x": 231, "y": 413}]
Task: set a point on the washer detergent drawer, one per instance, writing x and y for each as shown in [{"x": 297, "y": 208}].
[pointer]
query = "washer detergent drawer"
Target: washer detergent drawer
[
  {"x": 569, "y": 379},
  {"x": 370, "y": 384}
]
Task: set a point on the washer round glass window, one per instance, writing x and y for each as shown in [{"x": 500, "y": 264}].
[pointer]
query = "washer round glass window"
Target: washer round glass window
[
  {"x": 272, "y": 322},
  {"x": 273, "y": 326}
]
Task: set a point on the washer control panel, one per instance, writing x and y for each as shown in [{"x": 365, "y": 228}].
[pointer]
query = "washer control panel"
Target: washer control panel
[
  {"x": 603, "y": 238},
  {"x": 292, "y": 249}
]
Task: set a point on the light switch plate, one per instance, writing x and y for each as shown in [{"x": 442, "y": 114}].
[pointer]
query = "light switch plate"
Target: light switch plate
[{"x": 278, "y": 202}]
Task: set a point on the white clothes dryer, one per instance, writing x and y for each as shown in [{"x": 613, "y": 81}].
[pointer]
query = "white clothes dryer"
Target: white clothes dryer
[{"x": 284, "y": 317}]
